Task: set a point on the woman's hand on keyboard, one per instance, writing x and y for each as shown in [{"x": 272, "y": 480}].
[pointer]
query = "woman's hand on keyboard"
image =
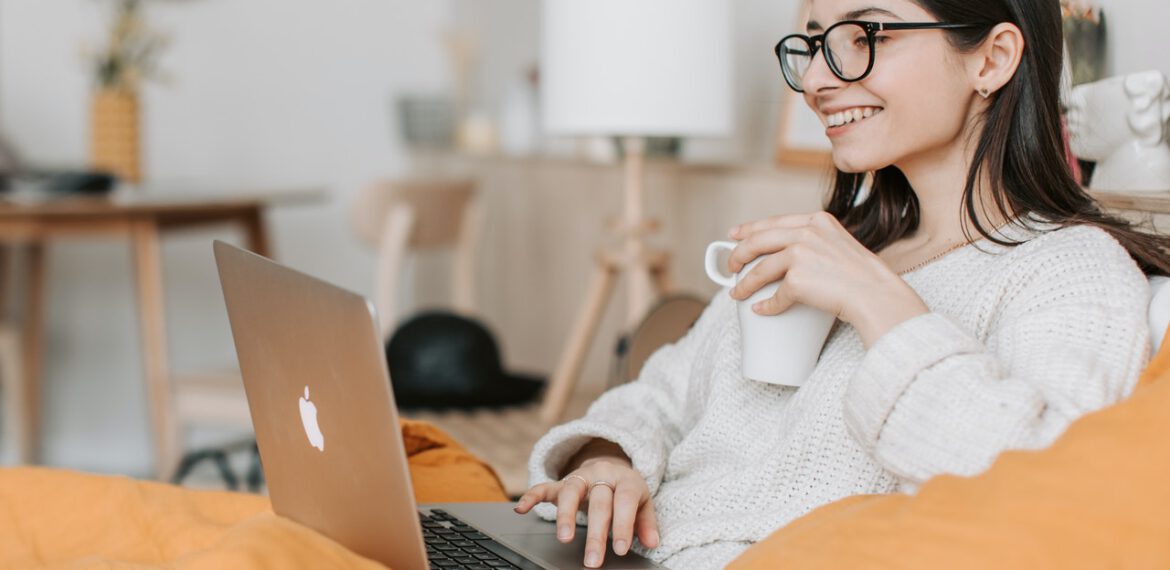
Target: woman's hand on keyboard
[{"x": 612, "y": 494}]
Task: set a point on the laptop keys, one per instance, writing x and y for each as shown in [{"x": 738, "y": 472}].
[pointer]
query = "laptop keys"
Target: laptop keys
[
  {"x": 452, "y": 543},
  {"x": 507, "y": 554}
]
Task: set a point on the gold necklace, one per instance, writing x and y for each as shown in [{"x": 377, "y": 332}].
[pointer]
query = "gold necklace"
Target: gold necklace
[
  {"x": 948, "y": 250},
  {"x": 935, "y": 257}
]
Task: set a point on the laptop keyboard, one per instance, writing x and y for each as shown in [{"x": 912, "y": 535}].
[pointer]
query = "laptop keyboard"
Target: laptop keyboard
[{"x": 452, "y": 543}]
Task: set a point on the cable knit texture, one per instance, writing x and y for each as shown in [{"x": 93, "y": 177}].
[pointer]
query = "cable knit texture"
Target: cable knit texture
[{"x": 1020, "y": 341}]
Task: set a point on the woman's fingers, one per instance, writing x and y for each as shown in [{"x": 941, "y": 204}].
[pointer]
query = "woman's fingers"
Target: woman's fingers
[
  {"x": 780, "y": 301},
  {"x": 600, "y": 515},
  {"x": 626, "y": 501},
  {"x": 646, "y": 525},
  {"x": 762, "y": 243},
  {"x": 783, "y": 221},
  {"x": 626, "y": 508},
  {"x": 768, "y": 270},
  {"x": 573, "y": 491},
  {"x": 536, "y": 495}
]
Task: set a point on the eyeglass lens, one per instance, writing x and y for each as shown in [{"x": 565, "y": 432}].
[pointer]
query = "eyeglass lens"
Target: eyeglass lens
[{"x": 847, "y": 50}]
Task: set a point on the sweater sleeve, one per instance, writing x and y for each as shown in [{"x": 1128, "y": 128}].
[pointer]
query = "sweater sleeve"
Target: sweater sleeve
[
  {"x": 931, "y": 398},
  {"x": 646, "y": 417}
]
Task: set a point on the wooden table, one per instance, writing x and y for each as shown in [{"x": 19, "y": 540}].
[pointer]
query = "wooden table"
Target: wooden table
[{"x": 141, "y": 215}]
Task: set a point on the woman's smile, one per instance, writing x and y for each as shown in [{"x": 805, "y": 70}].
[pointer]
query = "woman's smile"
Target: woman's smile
[{"x": 845, "y": 120}]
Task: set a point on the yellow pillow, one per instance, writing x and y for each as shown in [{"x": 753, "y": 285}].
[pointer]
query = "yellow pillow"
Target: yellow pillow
[{"x": 1099, "y": 497}]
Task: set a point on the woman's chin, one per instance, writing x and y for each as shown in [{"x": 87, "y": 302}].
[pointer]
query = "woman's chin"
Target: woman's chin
[
  {"x": 852, "y": 164},
  {"x": 847, "y": 164}
]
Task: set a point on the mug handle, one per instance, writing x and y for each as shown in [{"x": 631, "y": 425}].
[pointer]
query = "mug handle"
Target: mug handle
[{"x": 711, "y": 262}]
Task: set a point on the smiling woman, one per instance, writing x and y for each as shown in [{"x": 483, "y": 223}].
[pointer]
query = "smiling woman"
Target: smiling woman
[{"x": 984, "y": 301}]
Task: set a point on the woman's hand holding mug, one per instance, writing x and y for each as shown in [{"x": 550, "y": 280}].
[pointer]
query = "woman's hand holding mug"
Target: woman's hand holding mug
[
  {"x": 612, "y": 494},
  {"x": 823, "y": 266}
]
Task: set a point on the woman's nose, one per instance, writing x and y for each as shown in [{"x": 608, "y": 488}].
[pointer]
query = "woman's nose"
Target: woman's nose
[{"x": 819, "y": 78}]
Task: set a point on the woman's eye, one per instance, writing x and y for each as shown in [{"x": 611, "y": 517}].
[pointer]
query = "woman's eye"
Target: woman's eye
[{"x": 880, "y": 39}]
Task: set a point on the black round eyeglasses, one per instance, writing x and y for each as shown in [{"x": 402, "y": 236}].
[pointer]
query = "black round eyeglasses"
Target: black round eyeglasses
[{"x": 848, "y": 47}]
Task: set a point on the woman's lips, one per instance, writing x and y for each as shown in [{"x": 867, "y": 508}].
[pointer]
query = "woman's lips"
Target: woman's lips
[{"x": 843, "y": 121}]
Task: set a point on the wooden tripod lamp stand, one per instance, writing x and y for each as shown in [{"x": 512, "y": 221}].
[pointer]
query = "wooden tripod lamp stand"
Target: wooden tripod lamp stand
[{"x": 634, "y": 70}]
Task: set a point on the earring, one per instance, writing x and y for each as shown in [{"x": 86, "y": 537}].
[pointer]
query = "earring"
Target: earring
[{"x": 984, "y": 92}]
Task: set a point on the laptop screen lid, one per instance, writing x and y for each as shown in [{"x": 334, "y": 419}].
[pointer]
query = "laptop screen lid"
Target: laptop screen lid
[{"x": 322, "y": 408}]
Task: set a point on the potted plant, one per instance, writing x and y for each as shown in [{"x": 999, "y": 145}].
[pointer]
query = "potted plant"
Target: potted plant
[{"x": 128, "y": 58}]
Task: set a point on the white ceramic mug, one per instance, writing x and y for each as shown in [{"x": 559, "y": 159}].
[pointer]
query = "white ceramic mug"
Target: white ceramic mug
[{"x": 778, "y": 349}]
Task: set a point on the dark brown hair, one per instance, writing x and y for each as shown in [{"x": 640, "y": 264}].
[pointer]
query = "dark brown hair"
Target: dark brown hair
[{"x": 1020, "y": 148}]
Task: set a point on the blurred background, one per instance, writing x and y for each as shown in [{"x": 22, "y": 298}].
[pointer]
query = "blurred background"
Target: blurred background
[{"x": 337, "y": 96}]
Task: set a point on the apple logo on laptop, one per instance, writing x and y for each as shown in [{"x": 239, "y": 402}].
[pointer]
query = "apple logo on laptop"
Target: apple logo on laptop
[{"x": 309, "y": 420}]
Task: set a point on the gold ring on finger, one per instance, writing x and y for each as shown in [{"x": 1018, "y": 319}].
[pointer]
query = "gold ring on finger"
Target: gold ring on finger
[
  {"x": 611, "y": 486},
  {"x": 576, "y": 476}
]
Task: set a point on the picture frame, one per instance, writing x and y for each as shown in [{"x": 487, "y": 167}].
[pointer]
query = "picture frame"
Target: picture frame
[{"x": 800, "y": 135}]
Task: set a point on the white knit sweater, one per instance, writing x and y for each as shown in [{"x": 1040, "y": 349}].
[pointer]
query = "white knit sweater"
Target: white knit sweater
[{"x": 1019, "y": 343}]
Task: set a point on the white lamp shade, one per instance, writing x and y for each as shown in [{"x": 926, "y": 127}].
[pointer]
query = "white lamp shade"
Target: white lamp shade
[{"x": 636, "y": 67}]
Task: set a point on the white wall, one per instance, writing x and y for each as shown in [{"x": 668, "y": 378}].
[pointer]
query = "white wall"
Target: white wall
[
  {"x": 1138, "y": 39},
  {"x": 266, "y": 93}
]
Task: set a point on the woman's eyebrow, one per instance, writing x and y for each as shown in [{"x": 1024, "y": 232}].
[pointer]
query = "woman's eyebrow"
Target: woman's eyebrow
[
  {"x": 871, "y": 11},
  {"x": 813, "y": 25}
]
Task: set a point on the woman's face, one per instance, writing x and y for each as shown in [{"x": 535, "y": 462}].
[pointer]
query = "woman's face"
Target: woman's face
[{"x": 917, "y": 95}]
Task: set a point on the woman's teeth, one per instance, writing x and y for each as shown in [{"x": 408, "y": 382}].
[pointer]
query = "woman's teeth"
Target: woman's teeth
[{"x": 852, "y": 115}]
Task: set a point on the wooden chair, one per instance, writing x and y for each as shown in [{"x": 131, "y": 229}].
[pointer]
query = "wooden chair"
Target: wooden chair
[
  {"x": 666, "y": 322},
  {"x": 17, "y": 431},
  {"x": 400, "y": 217}
]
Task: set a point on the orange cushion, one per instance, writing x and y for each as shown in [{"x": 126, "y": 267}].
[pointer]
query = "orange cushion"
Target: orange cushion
[
  {"x": 1099, "y": 497},
  {"x": 57, "y": 518},
  {"x": 443, "y": 471}
]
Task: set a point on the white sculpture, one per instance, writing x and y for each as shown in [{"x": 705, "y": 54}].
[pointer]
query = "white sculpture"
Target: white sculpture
[{"x": 1123, "y": 123}]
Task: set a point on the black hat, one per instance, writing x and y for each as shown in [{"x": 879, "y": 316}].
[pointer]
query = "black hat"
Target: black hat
[{"x": 442, "y": 360}]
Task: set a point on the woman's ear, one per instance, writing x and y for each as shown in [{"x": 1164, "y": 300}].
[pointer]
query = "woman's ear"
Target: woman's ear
[{"x": 994, "y": 63}]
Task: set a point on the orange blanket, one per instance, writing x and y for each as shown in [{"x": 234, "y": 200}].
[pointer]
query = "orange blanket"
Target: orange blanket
[
  {"x": 1097, "y": 498},
  {"x": 60, "y": 519}
]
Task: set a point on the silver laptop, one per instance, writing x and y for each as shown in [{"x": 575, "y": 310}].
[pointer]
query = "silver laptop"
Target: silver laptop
[{"x": 319, "y": 392}]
